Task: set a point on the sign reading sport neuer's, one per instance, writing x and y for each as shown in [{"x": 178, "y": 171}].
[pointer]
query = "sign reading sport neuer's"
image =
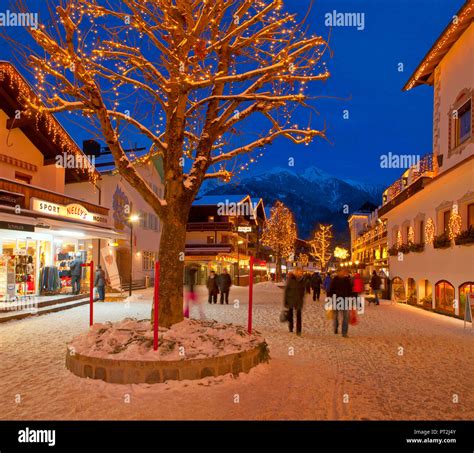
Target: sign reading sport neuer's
[{"x": 70, "y": 211}]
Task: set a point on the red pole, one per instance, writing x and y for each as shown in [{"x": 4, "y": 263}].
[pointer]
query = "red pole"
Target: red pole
[
  {"x": 156, "y": 304},
  {"x": 250, "y": 294},
  {"x": 91, "y": 294}
]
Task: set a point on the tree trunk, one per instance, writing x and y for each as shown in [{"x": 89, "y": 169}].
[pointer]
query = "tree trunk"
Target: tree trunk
[
  {"x": 278, "y": 269},
  {"x": 171, "y": 257}
]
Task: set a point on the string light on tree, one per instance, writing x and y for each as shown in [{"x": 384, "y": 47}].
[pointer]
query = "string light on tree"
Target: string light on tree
[
  {"x": 429, "y": 231},
  {"x": 279, "y": 233},
  {"x": 320, "y": 245}
]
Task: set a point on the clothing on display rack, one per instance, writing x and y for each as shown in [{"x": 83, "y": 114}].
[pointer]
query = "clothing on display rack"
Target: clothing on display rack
[{"x": 49, "y": 279}]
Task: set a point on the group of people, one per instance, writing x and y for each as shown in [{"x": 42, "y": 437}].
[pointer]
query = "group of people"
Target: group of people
[
  {"x": 100, "y": 280},
  {"x": 341, "y": 285},
  {"x": 219, "y": 284}
]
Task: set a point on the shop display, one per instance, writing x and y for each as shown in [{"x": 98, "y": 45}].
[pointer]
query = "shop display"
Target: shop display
[{"x": 49, "y": 280}]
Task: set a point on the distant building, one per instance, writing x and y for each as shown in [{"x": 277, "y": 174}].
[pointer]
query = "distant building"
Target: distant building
[
  {"x": 368, "y": 242},
  {"x": 224, "y": 231},
  {"x": 429, "y": 211}
]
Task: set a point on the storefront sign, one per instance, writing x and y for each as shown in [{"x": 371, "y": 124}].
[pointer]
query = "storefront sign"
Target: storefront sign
[
  {"x": 70, "y": 211},
  {"x": 16, "y": 226},
  {"x": 244, "y": 229}
]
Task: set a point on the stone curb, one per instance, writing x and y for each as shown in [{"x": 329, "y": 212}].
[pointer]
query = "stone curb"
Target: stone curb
[{"x": 153, "y": 372}]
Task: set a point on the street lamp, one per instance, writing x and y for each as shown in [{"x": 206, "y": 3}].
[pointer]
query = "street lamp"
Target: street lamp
[
  {"x": 131, "y": 220},
  {"x": 238, "y": 262}
]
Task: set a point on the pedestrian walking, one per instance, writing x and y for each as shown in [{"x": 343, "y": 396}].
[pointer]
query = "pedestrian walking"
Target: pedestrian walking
[
  {"x": 341, "y": 287},
  {"x": 316, "y": 282},
  {"x": 327, "y": 283},
  {"x": 224, "y": 282},
  {"x": 357, "y": 284},
  {"x": 190, "y": 296},
  {"x": 294, "y": 297},
  {"x": 213, "y": 288},
  {"x": 375, "y": 283},
  {"x": 76, "y": 273},
  {"x": 100, "y": 282}
]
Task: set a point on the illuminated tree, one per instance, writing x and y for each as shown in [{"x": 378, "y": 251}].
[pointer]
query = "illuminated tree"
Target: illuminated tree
[
  {"x": 320, "y": 245},
  {"x": 184, "y": 76},
  {"x": 303, "y": 259},
  {"x": 341, "y": 253},
  {"x": 279, "y": 233}
]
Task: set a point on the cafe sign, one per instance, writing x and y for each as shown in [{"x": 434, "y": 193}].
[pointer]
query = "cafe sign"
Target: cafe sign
[{"x": 70, "y": 211}]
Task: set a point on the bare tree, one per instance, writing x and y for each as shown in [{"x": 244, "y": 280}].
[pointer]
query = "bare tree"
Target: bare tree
[{"x": 186, "y": 76}]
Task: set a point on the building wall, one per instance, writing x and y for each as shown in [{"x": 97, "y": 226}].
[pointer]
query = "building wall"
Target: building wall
[
  {"x": 145, "y": 240},
  {"x": 455, "y": 75},
  {"x": 455, "y": 264},
  {"x": 18, "y": 146}
]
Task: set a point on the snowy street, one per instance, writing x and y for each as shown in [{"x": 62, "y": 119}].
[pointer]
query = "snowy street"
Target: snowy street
[{"x": 318, "y": 376}]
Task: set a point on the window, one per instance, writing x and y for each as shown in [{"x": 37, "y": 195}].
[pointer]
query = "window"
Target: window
[
  {"x": 22, "y": 177},
  {"x": 144, "y": 220},
  {"x": 210, "y": 218},
  {"x": 464, "y": 290},
  {"x": 210, "y": 239},
  {"x": 152, "y": 222},
  {"x": 463, "y": 123},
  {"x": 149, "y": 259},
  {"x": 421, "y": 232},
  {"x": 446, "y": 216},
  {"x": 225, "y": 239},
  {"x": 444, "y": 297},
  {"x": 470, "y": 215}
]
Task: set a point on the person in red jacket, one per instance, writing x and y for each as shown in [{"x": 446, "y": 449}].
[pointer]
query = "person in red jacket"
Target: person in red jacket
[{"x": 357, "y": 284}]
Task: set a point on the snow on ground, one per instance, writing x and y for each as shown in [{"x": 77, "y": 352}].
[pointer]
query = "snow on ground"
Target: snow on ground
[
  {"x": 132, "y": 339},
  {"x": 317, "y": 376}
]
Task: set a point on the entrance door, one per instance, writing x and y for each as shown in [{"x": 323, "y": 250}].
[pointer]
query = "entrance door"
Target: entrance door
[{"x": 123, "y": 264}]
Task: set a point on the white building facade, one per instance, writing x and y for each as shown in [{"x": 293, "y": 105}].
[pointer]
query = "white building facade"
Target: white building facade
[{"x": 430, "y": 210}]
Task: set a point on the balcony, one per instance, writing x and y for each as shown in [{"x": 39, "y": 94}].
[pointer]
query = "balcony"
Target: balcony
[
  {"x": 209, "y": 226},
  {"x": 207, "y": 249},
  {"x": 413, "y": 180}
]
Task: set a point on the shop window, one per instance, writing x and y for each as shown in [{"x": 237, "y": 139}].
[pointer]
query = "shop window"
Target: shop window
[
  {"x": 425, "y": 293},
  {"x": 470, "y": 215},
  {"x": 462, "y": 123},
  {"x": 464, "y": 290},
  {"x": 444, "y": 297},
  {"x": 23, "y": 177},
  {"x": 398, "y": 290},
  {"x": 411, "y": 291}
]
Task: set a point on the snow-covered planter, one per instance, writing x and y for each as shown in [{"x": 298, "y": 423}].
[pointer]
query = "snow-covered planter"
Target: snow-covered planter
[{"x": 123, "y": 352}]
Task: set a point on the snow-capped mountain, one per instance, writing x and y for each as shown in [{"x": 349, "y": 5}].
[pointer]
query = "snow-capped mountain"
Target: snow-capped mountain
[{"x": 314, "y": 196}]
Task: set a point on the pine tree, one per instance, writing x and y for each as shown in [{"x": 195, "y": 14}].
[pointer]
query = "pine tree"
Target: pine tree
[{"x": 279, "y": 234}]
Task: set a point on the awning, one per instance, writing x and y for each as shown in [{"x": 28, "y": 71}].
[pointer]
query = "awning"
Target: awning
[{"x": 89, "y": 232}]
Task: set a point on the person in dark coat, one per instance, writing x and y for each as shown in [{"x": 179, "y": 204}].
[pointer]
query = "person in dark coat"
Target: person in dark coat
[
  {"x": 294, "y": 296},
  {"x": 224, "y": 282},
  {"x": 99, "y": 282},
  {"x": 76, "y": 273},
  {"x": 316, "y": 282},
  {"x": 327, "y": 283},
  {"x": 375, "y": 283},
  {"x": 341, "y": 287},
  {"x": 212, "y": 287}
]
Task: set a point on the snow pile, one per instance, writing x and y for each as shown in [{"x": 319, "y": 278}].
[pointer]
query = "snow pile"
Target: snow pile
[{"x": 132, "y": 339}]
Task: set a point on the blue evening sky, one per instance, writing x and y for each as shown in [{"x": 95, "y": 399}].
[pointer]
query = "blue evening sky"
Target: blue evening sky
[{"x": 365, "y": 77}]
